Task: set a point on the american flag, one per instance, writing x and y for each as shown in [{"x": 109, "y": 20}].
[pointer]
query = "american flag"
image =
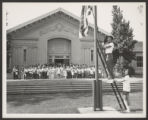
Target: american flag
[{"x": 86, "y": 11}]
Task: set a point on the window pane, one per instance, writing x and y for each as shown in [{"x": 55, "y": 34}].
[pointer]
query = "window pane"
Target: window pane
[
  {"x": 24, "y": 55},
  {"x": 139, "y": 61},
  {"x": 92, "y": 52}
]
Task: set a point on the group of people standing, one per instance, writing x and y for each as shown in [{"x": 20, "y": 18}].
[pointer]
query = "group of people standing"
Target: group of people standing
[{"x": 56, "y": 72}]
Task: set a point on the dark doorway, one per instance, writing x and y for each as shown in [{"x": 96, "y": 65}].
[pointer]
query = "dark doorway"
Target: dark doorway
[
  {"x": 66, "y": 61},
  {"x": 59, "y": 61}
]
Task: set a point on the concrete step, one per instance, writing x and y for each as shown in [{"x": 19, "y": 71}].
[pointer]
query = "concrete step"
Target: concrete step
[{"x": 49, "y": 86}]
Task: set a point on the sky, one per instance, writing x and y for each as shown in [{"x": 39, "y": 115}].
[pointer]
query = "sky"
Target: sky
[{"x": 18, "y": 13}]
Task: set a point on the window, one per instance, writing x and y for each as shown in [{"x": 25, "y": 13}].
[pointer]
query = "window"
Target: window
[
  {"x": 25, "y": 52},
  {"x": 139, "y": 61},
  {"x": 92, "y": 55}
]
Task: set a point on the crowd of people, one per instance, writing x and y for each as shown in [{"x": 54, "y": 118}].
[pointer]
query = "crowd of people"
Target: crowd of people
[{"x": 55, "y": 72}]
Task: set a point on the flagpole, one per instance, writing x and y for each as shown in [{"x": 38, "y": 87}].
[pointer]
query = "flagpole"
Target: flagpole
[
  {"x": 97, "y": 83},
  {"x": 95, "y": 42}
]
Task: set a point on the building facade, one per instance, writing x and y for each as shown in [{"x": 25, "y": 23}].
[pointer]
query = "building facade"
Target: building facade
[
  {"x": 51, "y": 38},
  {"x": 138, "y": 63}
]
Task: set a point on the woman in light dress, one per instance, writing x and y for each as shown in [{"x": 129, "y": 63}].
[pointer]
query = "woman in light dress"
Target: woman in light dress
[{"x": 65, "y": 73}]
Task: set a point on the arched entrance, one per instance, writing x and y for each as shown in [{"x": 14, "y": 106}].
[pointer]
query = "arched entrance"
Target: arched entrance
[{"x": 59, "y": 51}]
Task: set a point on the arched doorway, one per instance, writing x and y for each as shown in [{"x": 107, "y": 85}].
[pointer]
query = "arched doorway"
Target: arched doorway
[{"x": 59, "y": 51}]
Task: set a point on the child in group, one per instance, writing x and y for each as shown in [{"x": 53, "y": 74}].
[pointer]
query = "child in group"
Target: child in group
[
  {"x": 15, "y": 72},
  {"x": 126, "y": 88},
  {"x": 72, "y": 73},
  {"x": 65, "y": 73}
]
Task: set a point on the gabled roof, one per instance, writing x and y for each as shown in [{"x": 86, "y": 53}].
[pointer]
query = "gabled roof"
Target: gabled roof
[{"x": 47, "y": 15}]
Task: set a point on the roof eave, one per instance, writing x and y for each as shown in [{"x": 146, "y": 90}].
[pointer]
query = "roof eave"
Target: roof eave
[{"x": 49, "y": 14}]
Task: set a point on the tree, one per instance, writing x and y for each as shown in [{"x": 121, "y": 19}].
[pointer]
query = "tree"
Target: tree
[{"x": 123, "y": 40}]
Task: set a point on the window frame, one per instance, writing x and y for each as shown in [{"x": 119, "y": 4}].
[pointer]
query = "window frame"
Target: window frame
[
  {"x": 139, "y": 61},
  {"x": 91, "y": 55}
]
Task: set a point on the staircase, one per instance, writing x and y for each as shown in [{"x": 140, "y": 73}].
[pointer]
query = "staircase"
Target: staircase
[{"x": 55, "y": 86}]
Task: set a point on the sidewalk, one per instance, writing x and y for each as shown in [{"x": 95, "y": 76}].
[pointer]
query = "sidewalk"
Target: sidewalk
[{"x": 108, "y": 112}]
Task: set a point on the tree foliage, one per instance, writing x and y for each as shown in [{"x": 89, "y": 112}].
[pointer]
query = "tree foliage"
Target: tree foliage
[{"x": 123, "y": 38}]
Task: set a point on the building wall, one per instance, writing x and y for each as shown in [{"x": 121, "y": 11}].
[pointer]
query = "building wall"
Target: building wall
[
  {"x": 34, "y": 39},
  {"x": 59, "y": 29},
  {"x": 18, "y": 47}
]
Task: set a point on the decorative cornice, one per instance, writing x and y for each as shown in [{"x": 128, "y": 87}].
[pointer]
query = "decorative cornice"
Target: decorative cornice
[
  {"x": 32, "y": 39},
  {"x": 59, "y": 27},
  {"x": 22, "y": 45}
]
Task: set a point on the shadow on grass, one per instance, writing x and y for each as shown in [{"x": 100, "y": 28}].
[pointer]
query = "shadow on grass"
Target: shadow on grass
[{"x": 18, "y": 100}]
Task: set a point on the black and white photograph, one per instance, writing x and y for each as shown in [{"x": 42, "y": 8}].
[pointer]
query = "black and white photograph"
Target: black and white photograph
[{"x": 74, "y": 60}]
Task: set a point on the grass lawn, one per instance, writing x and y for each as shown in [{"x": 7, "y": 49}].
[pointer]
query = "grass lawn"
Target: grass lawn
[{"x": 65, "y": 102}]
